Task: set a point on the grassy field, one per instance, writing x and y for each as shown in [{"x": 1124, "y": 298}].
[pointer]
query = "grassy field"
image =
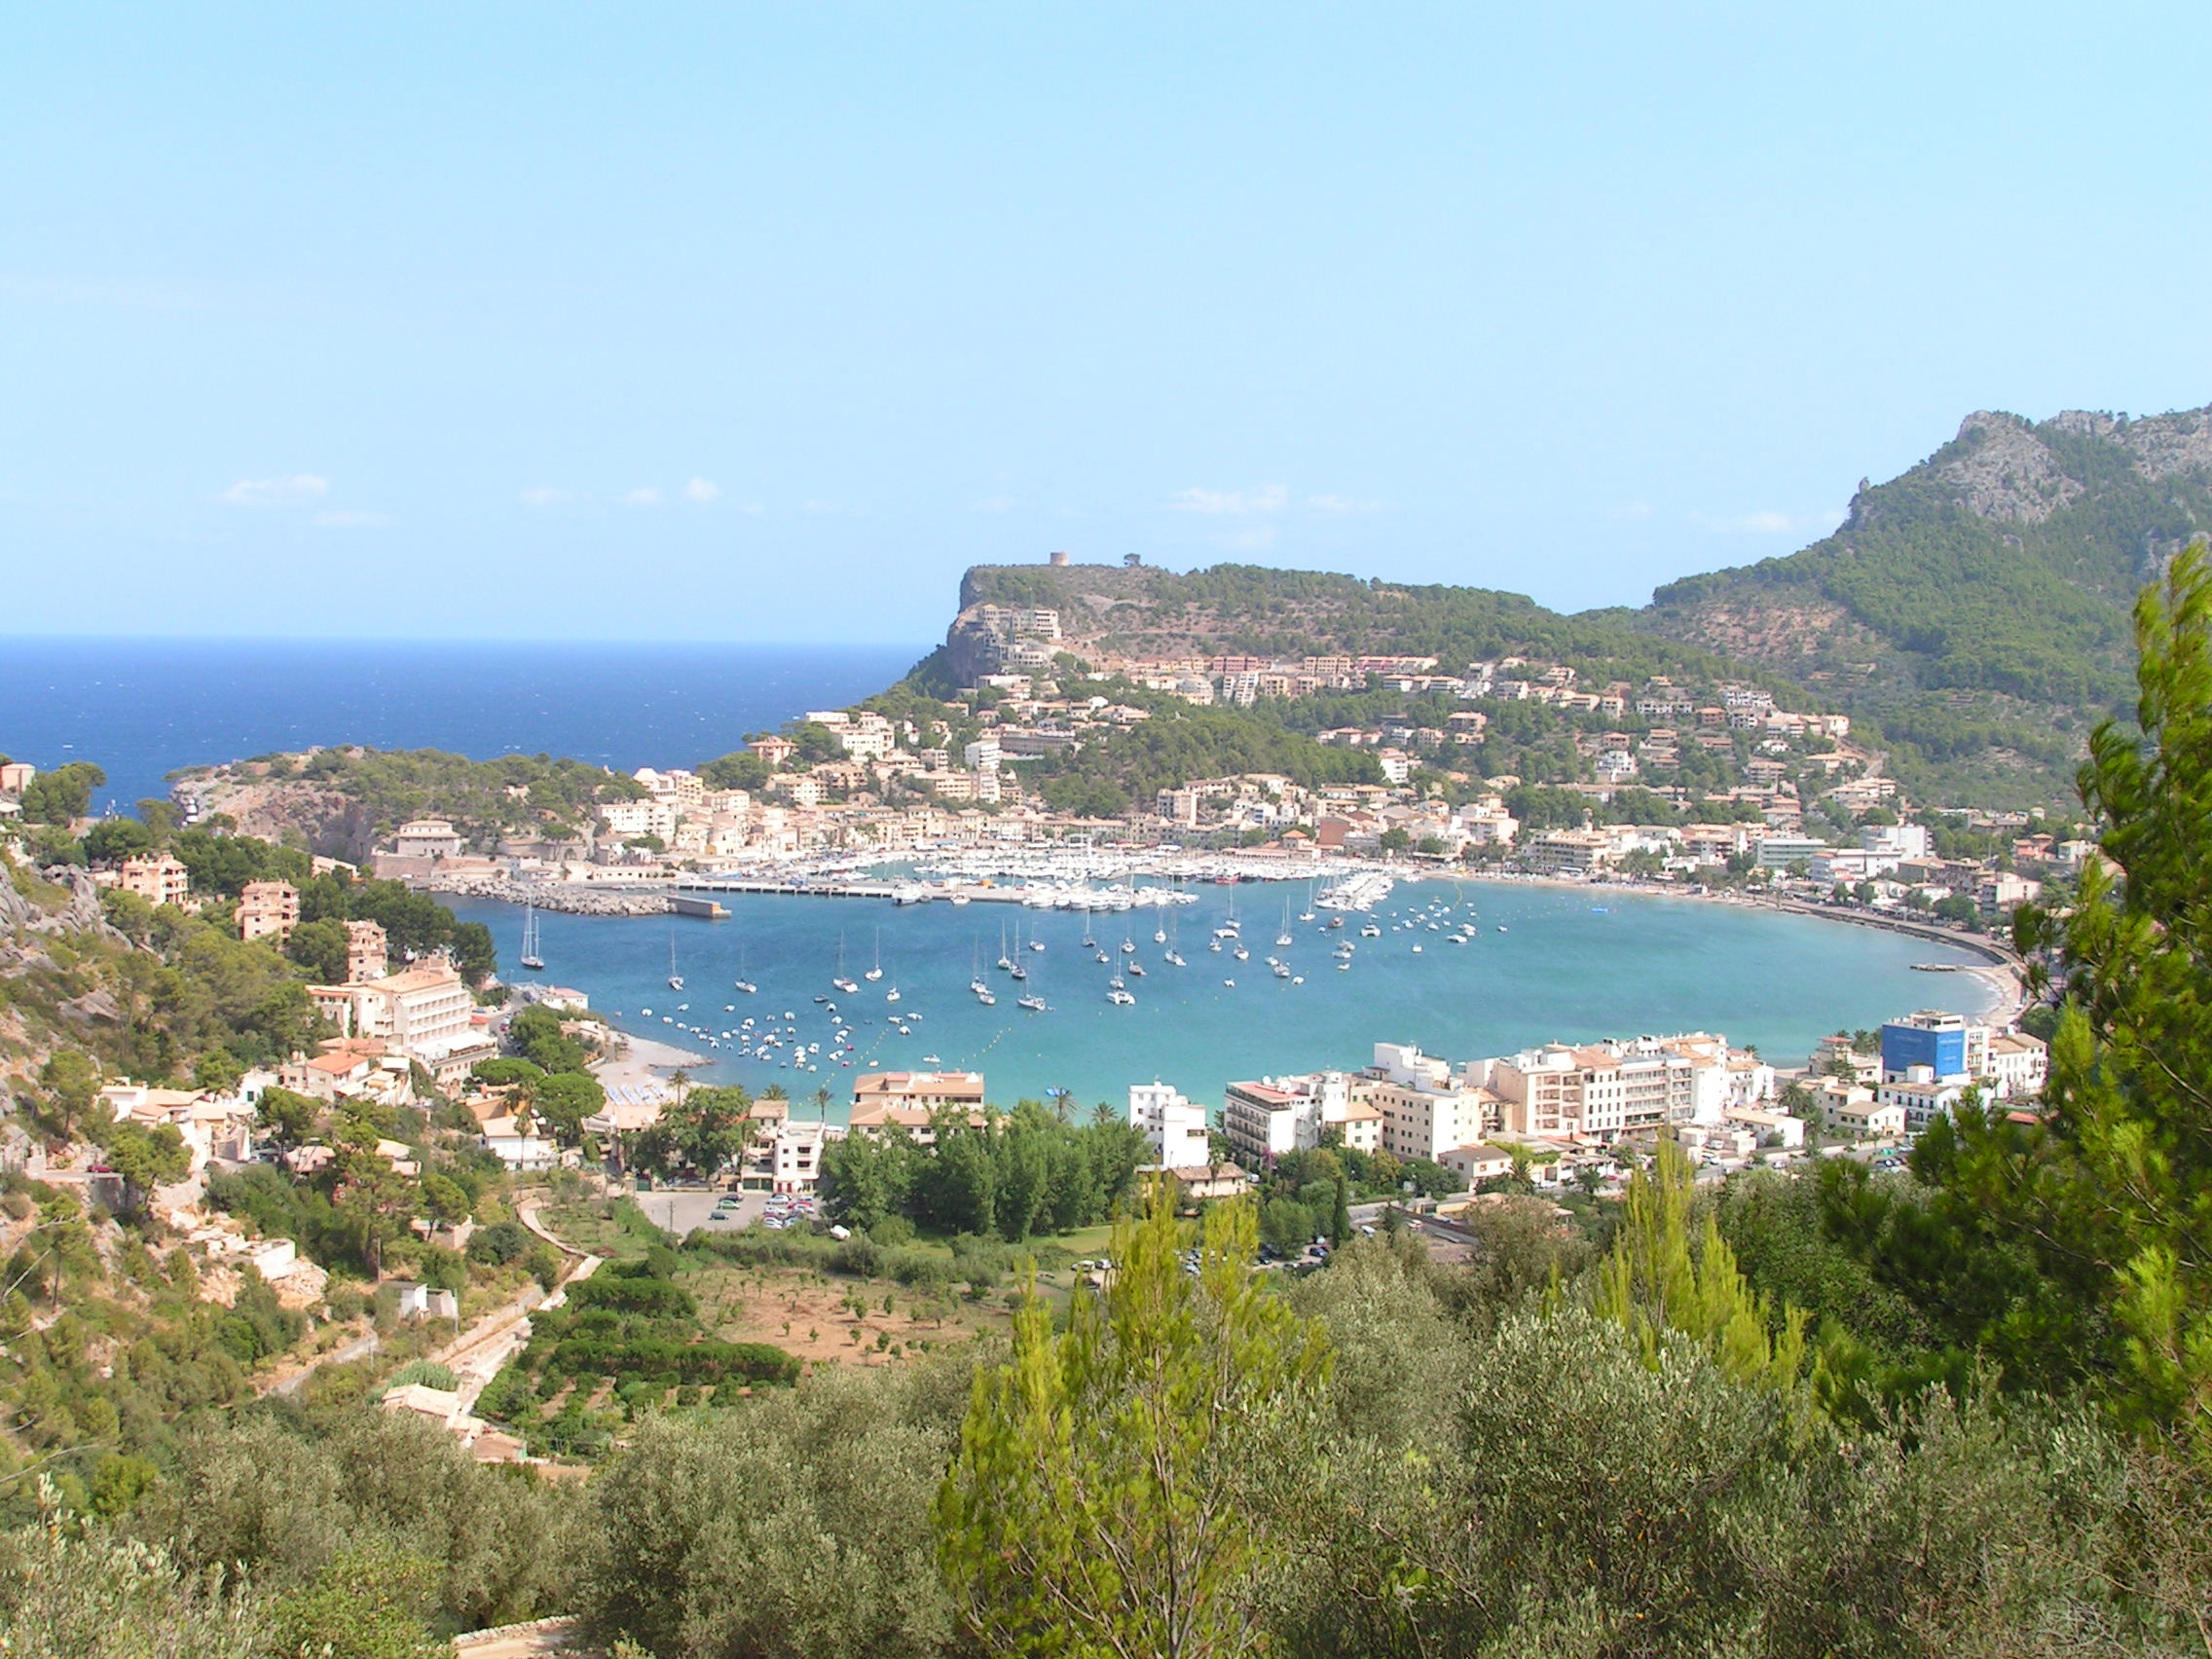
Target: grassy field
[{"x": 619, "y": 1232}]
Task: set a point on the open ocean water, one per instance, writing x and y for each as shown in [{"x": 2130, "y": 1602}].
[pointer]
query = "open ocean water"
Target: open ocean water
[
  {"x": 1566, "y": 965},
  {"x": 142, "y": 708}
]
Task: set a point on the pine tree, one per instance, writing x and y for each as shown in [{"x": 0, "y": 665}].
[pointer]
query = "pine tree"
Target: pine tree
[
  {"x": 1654, "y": 1282},
  {"x": 2130, "y": 1187},
  {"x": 1102, "y": 1501}
]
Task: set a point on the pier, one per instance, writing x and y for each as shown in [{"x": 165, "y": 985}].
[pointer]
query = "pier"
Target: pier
[{"x": 801, "y": 889}]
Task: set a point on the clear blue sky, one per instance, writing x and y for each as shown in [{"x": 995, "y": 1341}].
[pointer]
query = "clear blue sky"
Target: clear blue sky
[{"x": 763, "y": 322}]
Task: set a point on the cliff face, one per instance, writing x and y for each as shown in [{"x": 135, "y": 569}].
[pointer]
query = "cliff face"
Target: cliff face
[{"x": 289, "y": 811}]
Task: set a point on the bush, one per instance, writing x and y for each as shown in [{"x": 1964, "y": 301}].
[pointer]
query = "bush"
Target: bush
[
  {"x": 428, "y": 1372},
  {"x": 499, "y": 1243},
  {"x": 692, "y": 1362},
  {"x": 654, "y": 1297}
]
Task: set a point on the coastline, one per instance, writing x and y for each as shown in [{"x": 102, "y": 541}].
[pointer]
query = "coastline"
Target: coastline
[
  {"x": 1998, "y": 974},
  {"x": 634, "y": 1063}
]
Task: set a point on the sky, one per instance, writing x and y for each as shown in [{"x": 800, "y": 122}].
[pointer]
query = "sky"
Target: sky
[{"x": 764, "y": 322}]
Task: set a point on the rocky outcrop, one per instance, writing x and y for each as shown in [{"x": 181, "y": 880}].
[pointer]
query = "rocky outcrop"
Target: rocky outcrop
[{"x": 2006, "y": 472}]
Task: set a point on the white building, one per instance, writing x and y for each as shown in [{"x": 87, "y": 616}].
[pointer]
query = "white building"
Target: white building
[
  {"x": 631, "y": 818},
  {"x": 1922, "y": 1097},
  {"x": 423, "y": 1011},
  {"x": 1426, "y": 1112},
  {"x": 2017, "y": 1065},
  {"x": 1174, "y": 1127},
  {"x": 1275, "y": 1116},
  {"x": 426, "y": 838}
]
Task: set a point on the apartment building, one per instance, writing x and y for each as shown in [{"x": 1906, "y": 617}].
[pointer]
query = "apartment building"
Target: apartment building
[
  {"x": 268, "y": 909},
  {"x": 1175, "y": 1129},
  {"x": 1569, "y": 852},
  {"x": 1922, "y": 1097},
  {"x": 366, "y": 953},
  {"x": 1946, "y": 1044},
  {"x": 626, "y": 819},
  {"x": 1274, "y": 1116},
  {"x": 1852, "y": 1108},
  {"x": 158, "y": 881},
  {"x": 911, "y": 1101},
  {"x": 680, "y": 790},
  {"x": 423, "y": 1013},
  {"x": 1425, "y": 1112},
  {"x": 1602, "y": 1091},
  {"x": 2017, "y": 1065}
]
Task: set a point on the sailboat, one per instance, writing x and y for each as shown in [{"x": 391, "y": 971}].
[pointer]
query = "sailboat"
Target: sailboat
[
  {"x": 742, "y": 983},
  {"x": 975, "y": 971},
  {"x": 1013, "y": 963},
  {"x": 876, "y": 973},
  {"x": 1005, "y": 961},
  {"x": 675, "y": 979},
  {"x": 531, "y": 958},
  {"x": 848, "y": 986},
  {"x": 1306, "y": 914},
  {"x": 1283, "y": 938}
]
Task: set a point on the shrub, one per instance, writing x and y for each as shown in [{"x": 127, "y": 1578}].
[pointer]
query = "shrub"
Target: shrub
[
  {"x": 428, "y": 1372},
  {"x": 499, "y": 1243}
]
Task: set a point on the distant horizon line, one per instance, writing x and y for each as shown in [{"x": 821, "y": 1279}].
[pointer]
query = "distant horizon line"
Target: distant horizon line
[{"x": 460, "y": 640}]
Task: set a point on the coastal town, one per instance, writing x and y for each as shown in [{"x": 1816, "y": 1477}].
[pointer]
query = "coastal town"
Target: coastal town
[
  {"x": 1109, "y": 833},
  {"x": 395, "y": 1034},
  {"x": 1713, "y": 786}
]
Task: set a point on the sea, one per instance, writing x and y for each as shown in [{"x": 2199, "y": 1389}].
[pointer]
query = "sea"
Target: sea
[
  {"x": 143, "y": 708},
  {"x": 1540, "y": 963}
]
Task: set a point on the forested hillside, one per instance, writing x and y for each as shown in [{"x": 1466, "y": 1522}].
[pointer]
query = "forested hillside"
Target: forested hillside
[{"x": 1975, "y": 607}]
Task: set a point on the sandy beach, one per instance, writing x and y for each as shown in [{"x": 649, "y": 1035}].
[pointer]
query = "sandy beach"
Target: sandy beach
[{"x": 639, "y": 1062}]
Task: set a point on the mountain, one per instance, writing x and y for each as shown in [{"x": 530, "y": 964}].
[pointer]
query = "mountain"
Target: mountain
[{"x": 1971, "y": 614}]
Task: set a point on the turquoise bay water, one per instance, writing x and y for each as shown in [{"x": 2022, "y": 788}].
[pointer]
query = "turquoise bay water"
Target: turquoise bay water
[{"x": 1570, "y": 966}]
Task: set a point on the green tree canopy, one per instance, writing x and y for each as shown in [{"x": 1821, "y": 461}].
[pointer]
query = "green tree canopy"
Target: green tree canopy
[{"x": 1100, "y": 1501}]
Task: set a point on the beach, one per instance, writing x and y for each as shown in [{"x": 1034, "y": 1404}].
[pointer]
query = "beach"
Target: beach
[{"x": 643, "y": 1062}]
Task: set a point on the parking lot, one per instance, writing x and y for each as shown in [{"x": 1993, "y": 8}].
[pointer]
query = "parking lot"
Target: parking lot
[{"x": 681, "y": 1210}]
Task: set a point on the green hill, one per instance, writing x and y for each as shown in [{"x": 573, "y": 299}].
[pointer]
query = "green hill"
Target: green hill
[{"x": 1976, "y": 607}]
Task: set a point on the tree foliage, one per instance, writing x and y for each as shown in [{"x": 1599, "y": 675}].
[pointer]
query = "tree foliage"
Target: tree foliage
[{"x": 1100, "y": 1501}]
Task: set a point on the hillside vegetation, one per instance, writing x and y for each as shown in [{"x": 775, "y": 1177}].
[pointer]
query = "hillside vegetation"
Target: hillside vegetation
[{"x": 1976, "y": 605}]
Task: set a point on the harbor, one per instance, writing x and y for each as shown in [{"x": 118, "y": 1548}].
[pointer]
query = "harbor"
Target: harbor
[{"x": 804, "y": 989}]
